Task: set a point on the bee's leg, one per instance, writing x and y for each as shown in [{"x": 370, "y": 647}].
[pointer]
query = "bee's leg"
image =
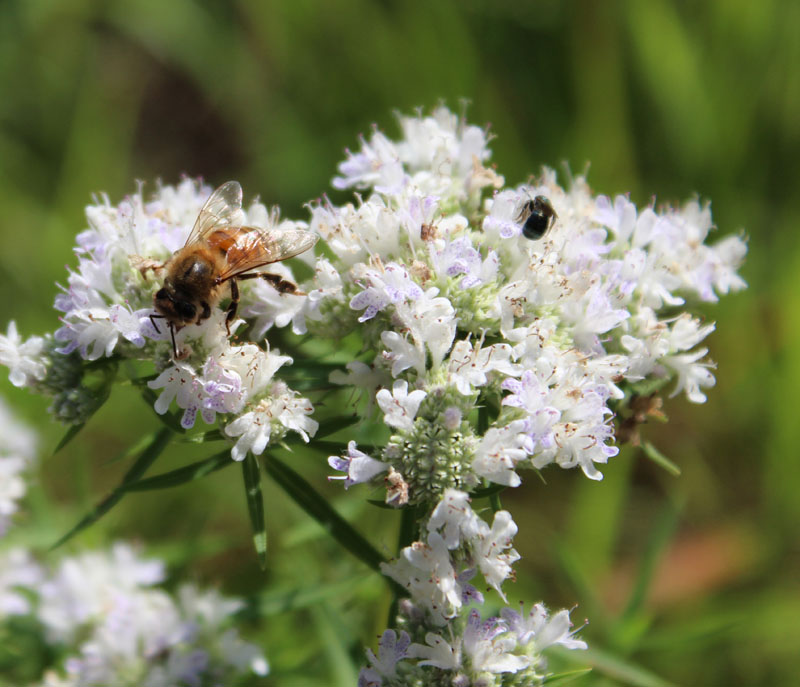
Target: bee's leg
[
  {"x": 174, "y": 345},
  {"x": 205, "y": 313},
  {"x": 233, "y": 307},
  {"x": 280, "y": 284},
  {"x": 153, "y": 322}
]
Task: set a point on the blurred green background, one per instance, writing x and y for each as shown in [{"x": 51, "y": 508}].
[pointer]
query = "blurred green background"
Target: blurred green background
[{"x": 690, "y": 580}]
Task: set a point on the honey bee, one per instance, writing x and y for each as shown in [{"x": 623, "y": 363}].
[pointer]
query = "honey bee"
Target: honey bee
[
  {"x": 538, "y": 216},
  {"x": 220, "y": 252}
]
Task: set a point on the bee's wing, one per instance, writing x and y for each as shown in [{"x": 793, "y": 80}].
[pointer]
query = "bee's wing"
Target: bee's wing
[
  {"x": 222, "y": 209},
  {"x": 255, "y": 247}
]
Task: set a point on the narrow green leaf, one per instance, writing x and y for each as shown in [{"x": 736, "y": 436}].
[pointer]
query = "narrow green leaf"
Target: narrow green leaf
[
  {"x": 570, "y": 568},
  {"x": 485, "y": 492},
  {"x": 313, "y": 384},
  {"x": 409, "y": 526},
  {"x": 483, "y": 419},
  {"x": 559, "y": 679},
  {"x": 305, "y": 496},
  {"x": 310, "y": 368},
  {"x": 255, "y": 506},
  {"x": 335, "y": 424},
  {"x": 296, "y": 598},
  {"x": 336, "y": 642},
  {"x": 381, "y": 504},
  {"x": 203, "y": 437},
  {"x": 659, "y": 538},
  {"x": 494, "y": 501},
  {"x": 70, "y": 434},
  {"x": 660, "y": 459},
  {"x": 142, "y": 381},
  {"x": 142, "y": 464},
  {"x": 340, "y": 447},
  {"x": 135, "y": 448},
  {"x": 612, "y": 666},
  {"x": 187, "y": 473}
]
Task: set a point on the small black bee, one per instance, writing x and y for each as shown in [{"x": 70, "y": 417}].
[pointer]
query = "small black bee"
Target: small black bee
[{"x": 538, "y": 216}]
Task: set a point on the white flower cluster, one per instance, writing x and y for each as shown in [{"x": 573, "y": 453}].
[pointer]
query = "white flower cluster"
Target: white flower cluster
[
  {"x": 17, "y": 454},
  {"x": 503, "y": 329},
  {"x": 545, "y": 341},
  {"x": 107, "y": 308},
  {"x": 118, "y": 628},
  {"x": 436, "y": 573}
]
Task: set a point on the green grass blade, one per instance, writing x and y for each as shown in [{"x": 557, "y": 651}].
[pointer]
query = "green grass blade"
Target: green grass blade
[
  {"x": 305, "y": 496},
  {"x": 255, "y": 506},
  {"x": 659, "y": 539},
  {"x": 612, "y": 666},
  {"x": 143, "y": 462},
  {"x": 340, "y": 447},
  {"x": 70, "y": 434},
  {"x": 279, "y": 601},
  {"x": 489, "y": 491},
  {"x": 335, "y": 424},
  {"x": 188, "y": 473},
  {"x": 660, "y": 459},
  {"x": 335, "y": 641},
  {"x": 560, "y": 679},
  {"x": 203, "y": 437}
]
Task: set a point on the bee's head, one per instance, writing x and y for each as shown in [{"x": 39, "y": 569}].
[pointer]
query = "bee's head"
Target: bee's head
[{"x": 177, "y": 310}]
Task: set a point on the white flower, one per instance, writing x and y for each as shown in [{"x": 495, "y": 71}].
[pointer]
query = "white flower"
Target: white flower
[
  {"x": 500, "y": 451},
  {"x": 438, "y": 652},
  {"x": 402, "y": 353},
  {"x": 391, "y": 650},
  {"x": 363, "y": 379},
  {"x": 24, "y": 359},
  {"x": 691, "y": 374},
  {"x": 490, "y": 646},
  {"x": 459, "y": 257},
  {"x": 431, "y": 320},
  {"x": 455, "y": 518},
  {"x": 256, "y": 368},
  {"x": 12, "y": 488},
  {"x": 18, "y": 571},
  {"x": 280, "y": 411},
  {"x": 492, "y": 550},
  {"x": 181, "y": 383},
  {"x": 503, "y": 213},
  {"x": 425, "y": 569},
  {"x": 537, "y": 627},
  {"x": 377, "y": 164},
  {"x": 399, "y": 406},
  {"x": 17, "y": 453},
  {"x": 84, "y": 587},
  {"x": 391, "y": 286},
  {"x": 116, "y": 628},
  {"x": 469, "y": 367},
  {"x": 357, "y": 466},
  {"x": 268, "y": 307}
]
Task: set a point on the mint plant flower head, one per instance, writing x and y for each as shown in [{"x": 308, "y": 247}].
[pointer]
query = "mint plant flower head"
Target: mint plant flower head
[
  {"x": 108, "y": 317},
  {"x": 500, "y": 329},
  {"x": 106, "y": 617}
]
